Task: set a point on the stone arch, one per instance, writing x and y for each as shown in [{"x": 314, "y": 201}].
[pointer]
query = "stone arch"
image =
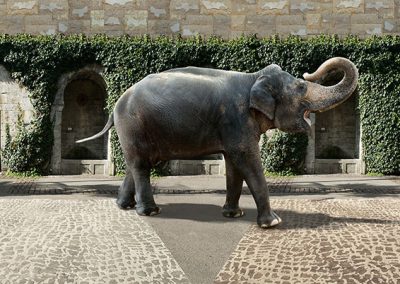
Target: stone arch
[
  {"x": 78, "y": 112},
  {"x": 337, "y": 133},
  {"x": 336, "y": 139}
]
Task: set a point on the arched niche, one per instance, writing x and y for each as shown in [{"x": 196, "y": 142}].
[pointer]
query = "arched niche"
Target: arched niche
[
  {"x": 337, "y": 132},
  {"x": 337, "y": 136},
  {"x": 79, "y": 112}
]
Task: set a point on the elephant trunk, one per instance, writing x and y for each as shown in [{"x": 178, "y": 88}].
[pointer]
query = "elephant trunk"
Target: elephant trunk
[{"x": 322, "y": 98}]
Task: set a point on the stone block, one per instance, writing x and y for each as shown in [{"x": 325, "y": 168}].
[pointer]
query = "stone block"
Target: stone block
[
  {"x": 99, "y": 169},
  {"x": 112, "y": 21},
  {"x": 290, "y": 20},
  {"x": 144, "y": 4},
  {"x": 41, "y": 29},
  {"x": 63, "y": 27},
  {"x": 158, "y": 9},
  {"x": 175, "y": 26},
  {"x": 191, "y": 30},
  {"x": 159, "y": 27},
  {"x": 3, "y": 10},
  {"x": 97, "y": 19},
  {"x": 136, "y": 21},
  {"x": 198, "y": 20},
  {"x": 240, "y": 7},
  {"x": 302, "y": 7},
  {"x": 235, "y": 34},
  {"x": 158, "y": 13},
  {"x": 196, "y": 167},
  {"x": 78, "y": 26},
  {"x": 383, "y": 8},
  {"x": 97, "y": 4},
  {"x": 119, "y": 2},
  {"x": 314, "y": 26},
  {"x": 336, "y": 24},
  {"x": 215, "y": 7},
  {"x": 273, "y": 7},
  {"x": 348, "y": 6},
  {"x": 62, "y": 16},
  {"x": 22, "y": 7},
  {"x": 299, "y": 30},
  {"x": 38, "y": 20},
  {"x": 80, "y": 13},
  {"x": 367, "y": 29},
  {"x": 322, "y": 6},
  {"x": 390, "y": 26},
  {"x": 351, "y": 168},
  {"x": 313, "y": 20},
  {"x": 7, "y": 23},
  {"x": 261, "y": 25},
  {"x": 185, "y": 7},
  {"x": 120, "y": 8},
  {"x": 53, "y": 7},
  {"x": 362, "y": 19},
  {"x": 114, "y": 14},
  {"x": 222, "y": 25},
  {"x": 238, "y": 22}
]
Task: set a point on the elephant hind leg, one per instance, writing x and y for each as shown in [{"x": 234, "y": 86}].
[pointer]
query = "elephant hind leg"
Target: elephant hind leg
[
  {"x": 126, "y": 192},
  {"x": 234, "y": 184}
]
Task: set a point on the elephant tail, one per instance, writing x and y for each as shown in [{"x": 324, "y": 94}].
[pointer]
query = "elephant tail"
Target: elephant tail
[{"x": 107, "y": 127}]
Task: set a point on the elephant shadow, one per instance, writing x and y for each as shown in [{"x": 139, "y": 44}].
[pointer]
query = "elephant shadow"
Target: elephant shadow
[{"x": 291, "y": 219}]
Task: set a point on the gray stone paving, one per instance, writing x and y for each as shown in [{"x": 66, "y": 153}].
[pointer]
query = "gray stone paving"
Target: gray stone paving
[
  {"x": 75, "y": 241},
  {"x": 277, "y": 186},
  {"x": 328, "y": 241}
]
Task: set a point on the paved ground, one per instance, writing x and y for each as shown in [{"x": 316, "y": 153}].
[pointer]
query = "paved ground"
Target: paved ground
[{"x": 336, "y": 229}]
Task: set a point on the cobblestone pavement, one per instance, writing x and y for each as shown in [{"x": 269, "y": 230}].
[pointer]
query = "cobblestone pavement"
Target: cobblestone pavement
[
  {"x": 71, "y": 241},
  {"x": 329, "y": 241},
  {"x": 89, "y": 240}
]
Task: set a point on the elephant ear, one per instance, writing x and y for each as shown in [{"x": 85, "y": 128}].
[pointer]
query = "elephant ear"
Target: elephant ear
[{"x": 262, "y": 95}]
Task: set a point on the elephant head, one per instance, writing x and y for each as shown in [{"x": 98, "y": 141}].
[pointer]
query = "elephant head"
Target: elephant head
[{"x": 288, "y": 101}]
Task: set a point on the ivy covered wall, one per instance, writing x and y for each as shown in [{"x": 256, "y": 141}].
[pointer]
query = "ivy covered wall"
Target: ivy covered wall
[{"x": 37, "y": 62}]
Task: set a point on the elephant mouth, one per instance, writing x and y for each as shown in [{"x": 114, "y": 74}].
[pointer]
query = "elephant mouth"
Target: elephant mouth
[{"x": 306, "y": 117}]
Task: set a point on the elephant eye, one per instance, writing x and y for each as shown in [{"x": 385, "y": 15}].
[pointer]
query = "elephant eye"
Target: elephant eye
[{"x": 301, "y": 87}]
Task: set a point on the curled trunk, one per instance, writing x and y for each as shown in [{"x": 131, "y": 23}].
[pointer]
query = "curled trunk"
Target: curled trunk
[{"x": 322, "y": 98}]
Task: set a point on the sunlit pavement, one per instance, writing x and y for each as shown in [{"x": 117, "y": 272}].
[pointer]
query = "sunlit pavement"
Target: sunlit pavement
[{"x": 336, "y": 229}]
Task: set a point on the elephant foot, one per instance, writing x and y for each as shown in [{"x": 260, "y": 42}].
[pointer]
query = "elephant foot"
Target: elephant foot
[
  {"x": 232, "y": 212},
  {"x": 126, "y": 204},
  {"x": 269, "y": 221},
  {"x": 148, "y": 211}
]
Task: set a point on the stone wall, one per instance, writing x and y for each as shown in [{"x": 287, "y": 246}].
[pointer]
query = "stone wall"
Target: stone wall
[
  {"x": 226, "y": 18},
  {"x": 14, "y": 101}
]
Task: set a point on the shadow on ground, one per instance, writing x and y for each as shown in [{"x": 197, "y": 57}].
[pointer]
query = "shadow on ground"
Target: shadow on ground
[{"x": 291, "y": 219}]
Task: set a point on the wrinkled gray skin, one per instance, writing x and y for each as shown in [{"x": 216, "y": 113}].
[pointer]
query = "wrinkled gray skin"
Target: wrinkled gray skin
[{"x": 187, "y": 112}]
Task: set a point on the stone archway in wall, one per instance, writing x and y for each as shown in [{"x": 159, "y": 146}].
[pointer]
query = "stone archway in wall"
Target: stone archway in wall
[
  {"x": 337, "y": 139},
  {"x": 79, "y": 112}
]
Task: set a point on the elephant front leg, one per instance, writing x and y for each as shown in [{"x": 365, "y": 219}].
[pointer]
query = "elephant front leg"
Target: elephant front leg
[
  {"x": 234, "y": 184},
  {"x": 145, "y": 204},
  {"x": 249, "y": 164},
  {"x": 126, "y": 192}
]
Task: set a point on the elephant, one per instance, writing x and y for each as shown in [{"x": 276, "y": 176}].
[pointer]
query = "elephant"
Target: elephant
[{"x": 192, "y": 111}]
